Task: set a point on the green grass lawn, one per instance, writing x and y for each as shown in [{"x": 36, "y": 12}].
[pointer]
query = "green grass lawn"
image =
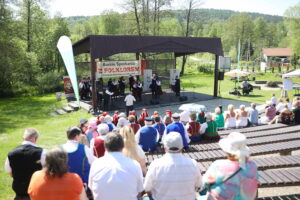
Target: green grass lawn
[{"x": 16, "y": 114}]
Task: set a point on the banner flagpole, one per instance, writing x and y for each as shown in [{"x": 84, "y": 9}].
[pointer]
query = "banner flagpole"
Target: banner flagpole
[{"x": 64, "y": 46}]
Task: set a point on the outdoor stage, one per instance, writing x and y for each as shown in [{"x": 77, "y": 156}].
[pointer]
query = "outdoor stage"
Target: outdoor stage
[{"x": 168, "y": 98}]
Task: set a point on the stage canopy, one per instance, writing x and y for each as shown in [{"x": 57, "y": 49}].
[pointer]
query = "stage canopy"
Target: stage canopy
[{"x": 100, "y": 46}]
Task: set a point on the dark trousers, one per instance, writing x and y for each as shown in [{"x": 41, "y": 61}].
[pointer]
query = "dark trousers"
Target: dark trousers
[
  {"x": 18, "y": 197},
  {"x": 128, "y": 108}
]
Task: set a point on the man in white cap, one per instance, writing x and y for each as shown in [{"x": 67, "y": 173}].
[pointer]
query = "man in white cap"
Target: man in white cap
[
  {"x": 173, "y": 176},
  {"x": 147, "y": 137},
  {"x": 177, "y": 126}
]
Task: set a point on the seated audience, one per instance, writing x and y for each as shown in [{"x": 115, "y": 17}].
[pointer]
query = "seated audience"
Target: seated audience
[
  {"x": 279, "y": 106},
  {"x": 274, "y": 100},
  {"x": 147, "y": 137},
  {"x": 79, "y": 156},
  {"x": 97, "y": 144},
  {"x": 185, "y": 117},
  {"x": 122, "y": 122},
  {"x": 159, "y": 126},
  {"x": 132, "y": 149},
  {"x": 233, "y": 178},
  {"x": 230, "y": 121},
  {"x": 201, "y": 117},
  {"x": 296, "y": 112},
  {"x": 253, "y": 115},
  {"x": 108, "y": 120},
  {"x": 286, "y": 116},
  {"x": 116, "y": 117},
  {"x": 290, "y": 105},
  {"x": 115, "y": 176},
  {"x": 135, "y": 126},
  {"x": 54, "y": 181},
  {"x": 270, "y": 113},
  {"x": 83, "y": 126},
  {"x": 193, "y": 128},
  {"x": 91, "y": 132},
  {"x": 23, "y": 161},
  {"x": 209, "y": 129},
  {"x": 168, "y": 118},
  {"x": 173, "y": 176},
  {"x": 177, "y": 126},
  {"x": 241, "y": 117},
  {"x": 219, "y": 118}
]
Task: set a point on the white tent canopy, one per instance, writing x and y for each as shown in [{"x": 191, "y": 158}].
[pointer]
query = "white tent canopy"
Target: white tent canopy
[{"x": 295, "y": 73}]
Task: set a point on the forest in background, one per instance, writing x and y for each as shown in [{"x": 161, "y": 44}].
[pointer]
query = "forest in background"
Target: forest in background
[{"x": 30, "y": 63}]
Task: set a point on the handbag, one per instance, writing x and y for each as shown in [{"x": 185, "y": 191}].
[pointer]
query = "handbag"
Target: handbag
[{"x": 203, "y": 191}]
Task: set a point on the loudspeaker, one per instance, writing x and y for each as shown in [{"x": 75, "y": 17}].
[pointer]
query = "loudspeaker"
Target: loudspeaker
[
  {"x": 154, "y": 101},
  {"x": 221, "y": 76},
  {"x": 183, "y": 98}
]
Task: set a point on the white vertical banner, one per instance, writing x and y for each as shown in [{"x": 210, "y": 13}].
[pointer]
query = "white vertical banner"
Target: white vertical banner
[
  {"x": 65, "y": 48},
  {"x": 173, "y": 74},
  {"x": 147, "y": 79}
]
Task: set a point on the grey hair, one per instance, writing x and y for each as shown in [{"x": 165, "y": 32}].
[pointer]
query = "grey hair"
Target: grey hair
[{"x": 30, "y": 133}]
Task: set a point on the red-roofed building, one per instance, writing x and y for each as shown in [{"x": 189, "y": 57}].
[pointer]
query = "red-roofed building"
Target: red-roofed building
[{"x": 282, "y": 53}]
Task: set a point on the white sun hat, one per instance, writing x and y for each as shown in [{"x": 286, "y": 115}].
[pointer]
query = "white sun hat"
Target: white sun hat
[{"x": 236, "y": 144}]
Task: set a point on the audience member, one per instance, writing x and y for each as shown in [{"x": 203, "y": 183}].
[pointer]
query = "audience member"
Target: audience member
[
  {"x": 135, "y": 126},
  {"x": 147, "y": 137},
  {"x": 108, "y": 120},
  {"x": 201, "y": 117},
  {"x": 253, "y": 115},
  {"x": 241, "y": 117},
  {"x": 296, "y": 112},
  {"x": 23, "y": 161},
  {"x": 122, "y": 122},
  {"x": 279, "y": 106},
  {"x": 47, "y": 184},
  {"x": 79, "y": 155},
  {"x": 168, "y": 118},
  {"x": 91, "y": 132},
  {"x": 296, "y": 102},
  {"x": 132, "y": 149},
  {"x": 289, "y": 104},
  {"x": 116, "y": 117},
  {"x": 159, "y": 126},
  {"x": 173, "y": 176},
  {"x": 209, "y": 129},
  {"x": 233, "y": 178},
  {"x": 177, "y": 126},
  {"x": 97, "y": 144},
  {"x": 83, "y": 126},
  {"x": 230, "y": 121},
  {"x": 115, "y": 176},
  {"x": 286, "y": 116},
  {"x": 274, "y": 100},
  {"x": 219, "y": 118},
  {"x": 185, "y": 117},
  {"x": 193, "y": 128},
  {"x": 270, "y": 113}
]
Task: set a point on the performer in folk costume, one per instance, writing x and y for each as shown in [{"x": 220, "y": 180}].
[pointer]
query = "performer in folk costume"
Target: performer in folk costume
[
  {"x": 135, "y": 88},
  {"x": 131, "y": 80},
  {"x": 116, "y": 117},
  {"x": 177, "y": 86},
  {"x": 153, "y": 85},
  {"x": 159, "y": 91},
  {"x": 110, "y": 85},
  {"x": 139, "y": 90},
  {"x": 122, "y": 82},
  {"x": 115, "y": 87}
]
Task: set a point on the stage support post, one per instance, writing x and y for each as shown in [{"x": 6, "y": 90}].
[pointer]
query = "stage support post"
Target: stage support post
[
  {"x": 216, "y": 75},
  {"x": 93, "y": 77}
]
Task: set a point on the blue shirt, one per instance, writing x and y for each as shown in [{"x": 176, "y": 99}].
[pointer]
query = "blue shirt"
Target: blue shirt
[{"x": 253, "y": 116}]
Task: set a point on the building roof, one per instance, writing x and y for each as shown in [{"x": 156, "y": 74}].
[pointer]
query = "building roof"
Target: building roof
[
  {"x": 285, "y": 52},
  {"x": 100, "y": 46}
]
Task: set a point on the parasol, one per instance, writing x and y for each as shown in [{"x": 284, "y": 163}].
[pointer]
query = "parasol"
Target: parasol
[{"x": 193, "y": 107}]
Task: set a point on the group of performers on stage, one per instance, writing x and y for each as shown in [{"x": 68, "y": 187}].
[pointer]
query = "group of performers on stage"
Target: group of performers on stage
[{"x": 155, "y": 87}]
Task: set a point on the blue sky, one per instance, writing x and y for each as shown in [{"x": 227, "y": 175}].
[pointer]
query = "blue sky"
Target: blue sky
[{"x": 95, "y": 7}]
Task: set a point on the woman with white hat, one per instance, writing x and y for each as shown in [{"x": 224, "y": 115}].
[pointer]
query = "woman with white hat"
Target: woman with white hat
[{"x": 235, "y": 177}]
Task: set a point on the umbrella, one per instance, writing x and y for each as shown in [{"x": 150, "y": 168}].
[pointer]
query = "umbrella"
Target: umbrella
[
  {"x": 236, "y": 72},
  {"x": 193, "y": 107}
]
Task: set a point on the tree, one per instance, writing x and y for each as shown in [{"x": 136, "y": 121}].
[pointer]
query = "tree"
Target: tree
[{"x": 110, "y": 22}]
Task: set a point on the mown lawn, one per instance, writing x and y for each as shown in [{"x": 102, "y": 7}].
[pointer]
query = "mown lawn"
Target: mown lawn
[{"x": 18, "y": 113}]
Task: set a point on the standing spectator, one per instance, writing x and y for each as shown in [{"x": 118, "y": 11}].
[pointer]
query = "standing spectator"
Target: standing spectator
[
  {"x": 23, "y": 161},
  {"x": 132, "y": 149},
  {"x": 135, "y": 126},
  {"x": 253, "y": 115},
  {"x": 173, "y": 176},
  {"x": 97, "y": 144},
  {"x": 241, "y": 117},
  {"x": 47, "y": 184},
  {"x": 177, "y": 126},
  {"x": 230, "y": 121},
  {"x": 159, "y": 126},
  {"x": 210, "y": 129},
  {"x": 240, "y": 172},
  {"x": 129, "y": 99},
  {"x": 193, "y": 128},
  {"x": 115, "y": 176},
  {"x": 274, "y": 100},
  {"x": 219, "y": 118},
  {"x": 79, "y": 156},
  {"x": 147, "y": 137}
]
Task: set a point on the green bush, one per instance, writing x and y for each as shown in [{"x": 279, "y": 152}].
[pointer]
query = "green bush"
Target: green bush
[
  {"x": 50, "y": 82},
  {"x": 206, "y": 68}
]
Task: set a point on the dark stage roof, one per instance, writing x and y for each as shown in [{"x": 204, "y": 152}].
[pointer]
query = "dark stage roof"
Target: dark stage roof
[{"x": 101, "y": 46}]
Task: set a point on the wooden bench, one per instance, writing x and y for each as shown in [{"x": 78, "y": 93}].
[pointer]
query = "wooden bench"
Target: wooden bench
[
  {"x": 212, "y": 155},
  {"x": 285, "y": 197},
  {"x": 266, "y": 163},
  {"x": 250, "y": 142},
  {"x": 279, "y": 178}
]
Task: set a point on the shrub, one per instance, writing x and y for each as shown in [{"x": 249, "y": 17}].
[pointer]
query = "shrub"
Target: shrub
[
  {"x": 50, "y": 82},
  {"x": 206, "y": 68},
  {"x": 272, "y": 84}
]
